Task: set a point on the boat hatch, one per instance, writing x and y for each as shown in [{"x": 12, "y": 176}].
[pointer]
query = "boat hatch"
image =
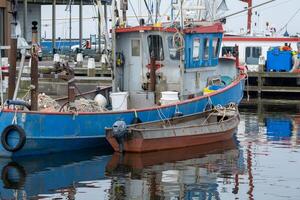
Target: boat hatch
[{"x": 202, "y": 50}]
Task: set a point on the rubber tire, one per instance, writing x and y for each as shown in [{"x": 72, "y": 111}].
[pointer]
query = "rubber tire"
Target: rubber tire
[
  {"x": 12, "y": 184},
  {"x": 22, "y": 138}
]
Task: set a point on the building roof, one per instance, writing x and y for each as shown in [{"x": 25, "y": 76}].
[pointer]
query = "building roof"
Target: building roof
[{"x": 260, "y": 39}]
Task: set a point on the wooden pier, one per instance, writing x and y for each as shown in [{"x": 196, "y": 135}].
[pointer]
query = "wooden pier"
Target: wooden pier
[{"x": 263, "y": 83}]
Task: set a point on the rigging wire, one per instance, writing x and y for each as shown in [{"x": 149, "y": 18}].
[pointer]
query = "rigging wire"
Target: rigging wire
[
  {"x": 134, "y": 11},
  {"x": 294, "y": 15},
  {"x": 149, "y": 11}
]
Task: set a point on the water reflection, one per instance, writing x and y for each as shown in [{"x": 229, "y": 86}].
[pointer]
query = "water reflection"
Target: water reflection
[
  {"x": 176, "y": 174},
  {"x": 262, "y": 162},
  {"x": 28, "y": 177}
]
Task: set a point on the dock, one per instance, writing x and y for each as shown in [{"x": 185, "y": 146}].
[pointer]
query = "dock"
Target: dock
[{"x": 263, "y": 83}]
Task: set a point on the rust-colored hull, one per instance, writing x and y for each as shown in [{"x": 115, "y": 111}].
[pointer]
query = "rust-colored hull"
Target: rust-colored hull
[{"x": 157, "y": 144}]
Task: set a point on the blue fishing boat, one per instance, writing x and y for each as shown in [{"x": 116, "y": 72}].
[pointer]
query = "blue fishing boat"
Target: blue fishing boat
[{"x": 159, "y": 71}]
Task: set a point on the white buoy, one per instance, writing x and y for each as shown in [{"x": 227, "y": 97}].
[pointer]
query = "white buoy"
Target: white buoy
[
  {"x": 100, "y": 100},
  {"x": 91, "y": 63},
  {"x": 56, "y": 58}
]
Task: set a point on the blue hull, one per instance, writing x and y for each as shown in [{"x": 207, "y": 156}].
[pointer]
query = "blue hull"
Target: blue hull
[
  {"x": 55, "y": 132},
  {"x": 46, "y": 175}
]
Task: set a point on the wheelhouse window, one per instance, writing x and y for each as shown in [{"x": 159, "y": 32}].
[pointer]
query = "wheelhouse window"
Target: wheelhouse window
[
  {"x": 135, "y": 48},
  {"x": 216, "y": 46},
  {"x": 229, "y": 51},
  {"x": 206, "y": 49},
  {"x": 174, "y": 53},
  {"x": 196, "y": 49},
  {"x": 156, "y": 47},
  {"x": 252, "y": 55}
]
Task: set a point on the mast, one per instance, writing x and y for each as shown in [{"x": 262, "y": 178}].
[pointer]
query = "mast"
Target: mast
[
  {"x": 249, "y": 17},
  {"x": 13, "y": 51},
  {"x": 70, "y": 23},
  {"x": 34, "y": 72},
  {"x": 181, "y": 53},
  {"x": 113, "y": 48}
]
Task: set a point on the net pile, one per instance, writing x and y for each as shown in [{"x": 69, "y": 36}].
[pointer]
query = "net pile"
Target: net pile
[
  {"x": 85, "y": 105},
  {"x": 46, "y": 103}
]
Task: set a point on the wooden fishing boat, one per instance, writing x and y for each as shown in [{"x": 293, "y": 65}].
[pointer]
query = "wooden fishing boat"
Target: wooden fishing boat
[{"x": 202, "y": 128}]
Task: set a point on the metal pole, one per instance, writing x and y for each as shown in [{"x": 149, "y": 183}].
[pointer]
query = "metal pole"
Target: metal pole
[
  {"x": 13, "y": 51},
  {"x": 25, "y": 19},
  {"x": 34, "y": 73},
  {"x": 113, "y": 37},
  {"x": 181, "y": 54},
  {"x": 99, "y": 26},
  {"x": 80, "y": 24},
  {"x": 1, "y": 82},
  {"x": 70, "y": 26},
  {"x": 54, "y": 26},
  {"x": 99, "y": 30},
  {"x": 106, "y": 27},
  {"x": 152, "y": 74},
  {"x": 249, "y": 19}
]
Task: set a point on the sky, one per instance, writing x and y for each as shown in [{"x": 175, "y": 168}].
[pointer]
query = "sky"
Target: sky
[{"x": 277, "y": 13}]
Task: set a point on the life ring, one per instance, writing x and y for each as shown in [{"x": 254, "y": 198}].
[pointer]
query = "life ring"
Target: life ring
[
  {"x": 5, "y": 134},
  {"x": 19, "y": 175}
]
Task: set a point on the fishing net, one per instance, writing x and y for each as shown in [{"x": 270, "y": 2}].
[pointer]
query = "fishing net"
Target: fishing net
[
  {"x": 84, "y": 105},
  {"x": 46, "y": 103}
]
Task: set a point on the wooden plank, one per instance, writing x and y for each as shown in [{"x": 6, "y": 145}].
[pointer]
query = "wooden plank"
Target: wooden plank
[
  {"x": 273, "y": 89},
  {"x": 274, "y": 74},
  {"x": 269, "y": 101}
]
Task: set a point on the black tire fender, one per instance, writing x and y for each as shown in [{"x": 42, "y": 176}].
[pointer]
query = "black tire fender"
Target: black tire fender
[
  {"x": 13, "y": 183},
  {"x": 5, "y": 134}
]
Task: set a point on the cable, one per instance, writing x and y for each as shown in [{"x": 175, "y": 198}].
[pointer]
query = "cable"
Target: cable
[
  {"x": 289, "y": 20},
  {"x": 133, "y": 11}
]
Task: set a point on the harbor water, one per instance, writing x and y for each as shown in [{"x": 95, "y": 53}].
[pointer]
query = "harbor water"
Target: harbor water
[{"x": 261, "y": 162}]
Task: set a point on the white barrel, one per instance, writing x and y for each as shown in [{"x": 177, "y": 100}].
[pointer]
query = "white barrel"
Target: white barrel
[
  {"x": 119, "y": 101},
  {"x": 168, "y": 97},
  {"x": 56, "y": 58},
  {"x": 91, "y": 63},
  {"x": 79, "y": 57}
]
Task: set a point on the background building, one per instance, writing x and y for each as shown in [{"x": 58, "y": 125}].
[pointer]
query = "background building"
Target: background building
[{"x": 4, "y": 22}]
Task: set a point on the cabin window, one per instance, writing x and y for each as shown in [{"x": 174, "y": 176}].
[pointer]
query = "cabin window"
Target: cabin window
[
  {"x": 174, "y": 53},
  {"x": 206, "y": 49},
  {"x": 216, "y": 46},
  {"x": 156, "y": 47},
  {"x": 228, "y": 51},
  {"x": 252, "y": 55},
  {"x": 196, "y": 49},
  {"x": 135, "y": 48}
]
